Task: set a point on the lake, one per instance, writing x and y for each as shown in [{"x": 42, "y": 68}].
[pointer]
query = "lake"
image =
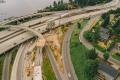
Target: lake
[{"x": 16, "y": 8}]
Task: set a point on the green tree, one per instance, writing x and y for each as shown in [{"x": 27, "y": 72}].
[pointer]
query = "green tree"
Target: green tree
[
  {"x": 90, "y": 36},
  {"x": 106, "y": 56},
  {"x": 116, "y": 28},
  {"x": 55, "y": 5},
  {"x": 106, "y": 19},
  {"x": 78, "y": 25},
  {"x": 97, "y": 33},
  {"x": 91, "y": 69},
  {"x": 83, "y": 3},
  {"x": 92, "y": 54},
  {"x": 71, "y": 1}
]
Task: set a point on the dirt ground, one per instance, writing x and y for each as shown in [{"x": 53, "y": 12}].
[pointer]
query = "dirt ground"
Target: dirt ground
[{"x": 54, "y": 40}]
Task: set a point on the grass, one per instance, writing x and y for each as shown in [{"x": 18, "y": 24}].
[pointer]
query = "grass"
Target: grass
[
  {"x": 48, "y": 73},
  {"x": 13, "y": 52},
  {"x": 1, "y": 29},
  {"x": 2, "y": 57},
  {"x": 100, "y": 48},
  {"x": 78, "y": 54},
  {"x": 117, "y": 39},
  {"x": 116, "y": 56}
]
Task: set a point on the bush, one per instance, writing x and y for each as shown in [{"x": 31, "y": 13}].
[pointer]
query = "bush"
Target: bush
[
  {"x": 91, "y": 69},
  {"x": 89, "y": 36},
  {"x": 78, "y": 25},
  {"x": 91, "y": 54},
  {"x": 106, "y": 56}
]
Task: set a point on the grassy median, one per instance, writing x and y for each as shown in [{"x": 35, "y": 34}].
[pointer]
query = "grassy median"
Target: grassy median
[
  {"x": 13, "y": 52},
  {"x": 78, "y": 53},
  {"x": 2, "y": 57},
  {"x": 48, "y": 73}
]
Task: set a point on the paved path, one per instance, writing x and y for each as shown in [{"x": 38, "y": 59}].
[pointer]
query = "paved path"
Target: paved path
[{"x": 68, "y": 66}]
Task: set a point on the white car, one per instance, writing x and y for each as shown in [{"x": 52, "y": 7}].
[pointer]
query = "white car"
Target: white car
[{"x": 69, "y": 75}]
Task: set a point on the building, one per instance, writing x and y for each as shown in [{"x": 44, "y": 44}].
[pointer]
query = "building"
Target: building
[
  {"x": 104, "y": 34},
  {"x": 108, "y": 71}
]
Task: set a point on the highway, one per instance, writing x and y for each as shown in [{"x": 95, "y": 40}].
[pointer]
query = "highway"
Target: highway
[
  {"x": 22, "y": 17},
  {"x": 39, "y": 59},
  {"x": 17, "y": 69},
  {"x": 6, "y": 34},
  {"x": 25, "y": 36},
  {"x": 13, "y": 41},
  {"x": 13, "y": 38}
]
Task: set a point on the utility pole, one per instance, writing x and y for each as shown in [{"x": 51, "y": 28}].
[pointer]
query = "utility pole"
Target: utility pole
[{"x": 59, "y": 19}]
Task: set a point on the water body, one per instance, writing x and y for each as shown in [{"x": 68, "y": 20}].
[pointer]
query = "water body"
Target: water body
[{"x": 16, "y": 8}]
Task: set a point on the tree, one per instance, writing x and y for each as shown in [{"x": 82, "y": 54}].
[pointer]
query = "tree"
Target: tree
[
  {"x": 61, "y": 5},
  {"x": 78, "y": 25},
  {"x": 70, "y": 1},
  {"x": 55, "y": 5},
  {"x": 106, "y": 19},
  {"x": 83, "y": 3},
  {"x": 89, "y": 35},
  {"x": 97, "y": 32},
  {"x": 106, "y": 56},
  {"x": 116, "y": 28},
  {"x": 92, "y": 54},
  {"x": 91, "y": 69}
]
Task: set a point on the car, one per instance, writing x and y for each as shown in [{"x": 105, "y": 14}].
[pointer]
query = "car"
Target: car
[{"x": 69, "y": 75}]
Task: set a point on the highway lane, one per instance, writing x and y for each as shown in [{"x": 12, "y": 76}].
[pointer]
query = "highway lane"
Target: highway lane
[
  {"x": 53, "y": 63},
  {"x": 39, "y": 59},
  {"x": 43, "y": 29},
  {"x": 21, "y": 62},
  {"x": 68, "y": 66},
  {"x": 16, "y": 62}
]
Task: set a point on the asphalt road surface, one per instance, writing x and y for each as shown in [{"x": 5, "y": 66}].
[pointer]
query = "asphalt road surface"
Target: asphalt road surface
[{"x": 69, "y": 69}]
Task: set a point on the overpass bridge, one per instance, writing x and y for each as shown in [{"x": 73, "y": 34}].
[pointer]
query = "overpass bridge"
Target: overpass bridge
[{"x": 23, "y": 17}]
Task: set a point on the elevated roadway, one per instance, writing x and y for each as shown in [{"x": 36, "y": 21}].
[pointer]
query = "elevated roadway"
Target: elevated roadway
[
  {"x": 18, "y": 63},
  {"x": 12, "y": 42},
  {"x": 23, "y": 17}
]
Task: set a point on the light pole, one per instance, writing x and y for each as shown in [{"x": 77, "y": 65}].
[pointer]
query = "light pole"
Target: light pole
[{"x": 59, "y": 19}]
